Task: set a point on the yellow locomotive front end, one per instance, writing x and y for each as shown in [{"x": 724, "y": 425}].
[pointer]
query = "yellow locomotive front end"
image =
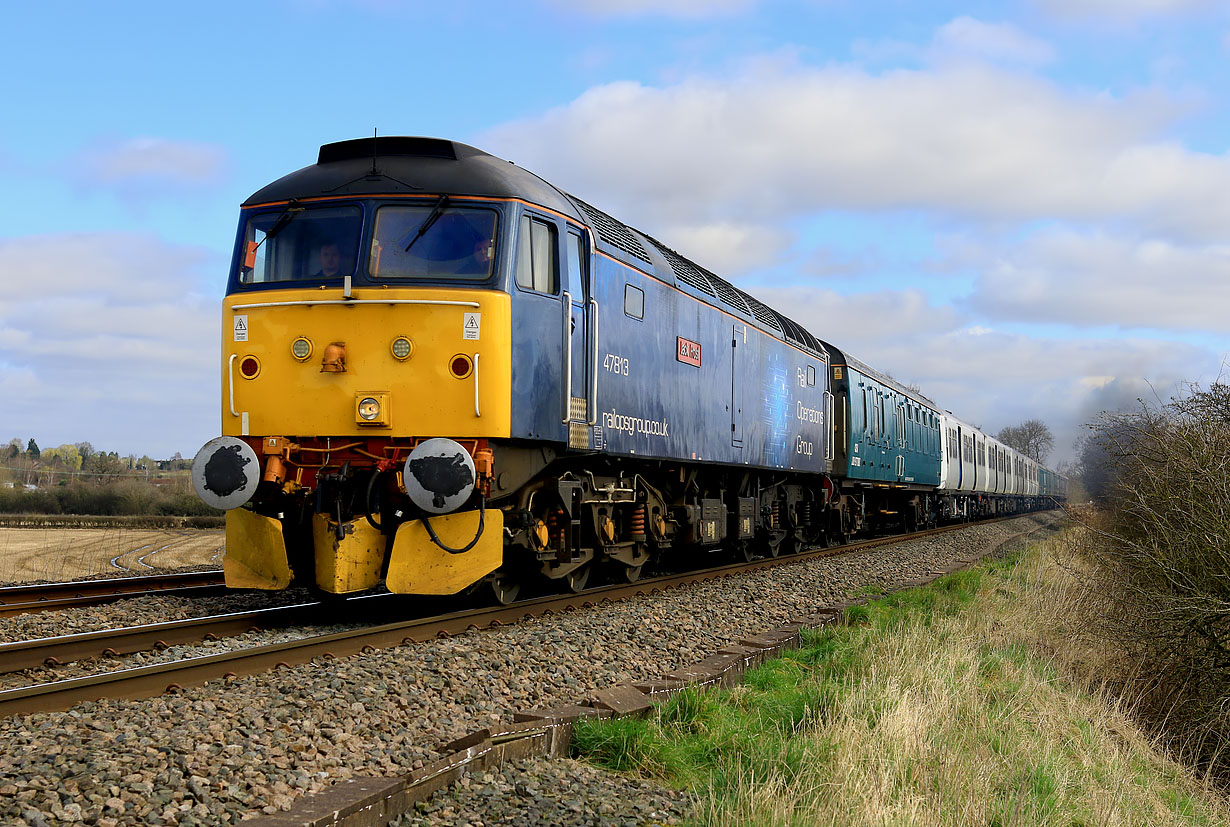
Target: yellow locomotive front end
[
  {"x": 365, "y": 371},
  {"x": 324, "y": 390}
]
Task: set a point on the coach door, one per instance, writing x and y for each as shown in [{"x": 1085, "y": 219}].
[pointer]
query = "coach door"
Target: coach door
[
  {"x": 580, "y": 341},
  {"x": 899, "y": 461}
]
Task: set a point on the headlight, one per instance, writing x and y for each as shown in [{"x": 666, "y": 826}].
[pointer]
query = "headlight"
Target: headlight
[
  {"x": 369, "y": 408},
  {"x": 301, "y": 348}
]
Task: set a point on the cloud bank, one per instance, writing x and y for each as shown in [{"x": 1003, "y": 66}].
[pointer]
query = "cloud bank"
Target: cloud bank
[{"x": 104, "y": 336}]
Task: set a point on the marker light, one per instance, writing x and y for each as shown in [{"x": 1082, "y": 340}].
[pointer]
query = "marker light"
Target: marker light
[
  {"x": 249, "y": 367},
  {"x": 301, "y": 348},
  {"x": 460, "y": 366},
  {"x": 402, "y": 347}
]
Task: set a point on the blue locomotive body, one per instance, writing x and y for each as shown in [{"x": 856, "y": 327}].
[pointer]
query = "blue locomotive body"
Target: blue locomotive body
[
  {"x": 511, "y": 365},
  {"x": 620, "y": 356}
]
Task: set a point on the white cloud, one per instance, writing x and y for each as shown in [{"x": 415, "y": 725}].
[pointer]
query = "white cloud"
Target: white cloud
[
  {"x": 1120, "y": 11},
  {"x": 142, "y": 168},
  {"x": 727, "y": 248},
  {"x": 108, "y": 337},
  {"x": 686, "y": 9},
  {"x": 965, "y": 140},
  {"x": 967, "y": 37},
  {"x": 1098, "y": 280}
]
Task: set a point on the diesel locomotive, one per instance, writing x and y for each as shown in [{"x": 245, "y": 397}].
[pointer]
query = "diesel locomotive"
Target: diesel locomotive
[{"x": 440, "y": 371}]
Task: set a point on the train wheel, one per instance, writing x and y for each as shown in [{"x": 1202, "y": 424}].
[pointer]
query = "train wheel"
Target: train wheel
[
  {"x": 504, "y": 587},
  {"x": 577, "y": 579}
]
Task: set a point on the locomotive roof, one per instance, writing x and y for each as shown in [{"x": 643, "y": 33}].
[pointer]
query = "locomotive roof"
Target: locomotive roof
[
  {"x": 396, "y": 165},
  {"x": 405, "y": 165}
]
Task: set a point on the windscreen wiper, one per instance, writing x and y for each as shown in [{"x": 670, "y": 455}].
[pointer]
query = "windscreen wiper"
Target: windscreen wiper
[
  {"x": 288, "y": 215},
  {"x": 431, "y": 219}
]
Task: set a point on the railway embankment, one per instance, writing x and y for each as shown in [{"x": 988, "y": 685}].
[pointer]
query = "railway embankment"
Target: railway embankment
[
  {"x": 967, "y": 701},
  {"x": 261, "y": 744}
]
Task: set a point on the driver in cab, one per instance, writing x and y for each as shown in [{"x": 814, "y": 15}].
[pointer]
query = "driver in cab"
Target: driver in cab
[{"x": 330, "y": 260}]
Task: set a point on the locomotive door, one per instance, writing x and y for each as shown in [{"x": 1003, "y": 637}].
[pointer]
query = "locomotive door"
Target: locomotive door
[
  {"x": 738, "y": 342},
  {"x": 580, "y": 342}
]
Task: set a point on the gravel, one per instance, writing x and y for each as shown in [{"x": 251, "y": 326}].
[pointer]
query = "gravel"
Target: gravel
[
  {"x": 234, "y": 748},
  {"x": 545, "y": 792}
]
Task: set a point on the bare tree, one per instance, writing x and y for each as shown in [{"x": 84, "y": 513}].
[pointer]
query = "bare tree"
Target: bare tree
[{"x": 1032, "y": 438}]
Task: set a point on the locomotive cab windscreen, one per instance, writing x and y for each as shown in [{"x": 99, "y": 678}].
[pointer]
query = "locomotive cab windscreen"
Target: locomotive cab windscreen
[{"x": 398, "y": 243}]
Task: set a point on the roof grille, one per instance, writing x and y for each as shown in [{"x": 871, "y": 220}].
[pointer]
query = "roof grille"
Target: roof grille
[
  {"x": 797, "y": 334},
  {"x": 729, "y": 295},
  {"x": 685, "y": 271},
  {"x": 612, "y": 231},
  {"x": 763, "y": 312}
]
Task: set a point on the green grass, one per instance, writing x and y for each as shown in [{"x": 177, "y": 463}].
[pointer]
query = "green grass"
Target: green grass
[{"x": 927, "y": 708}]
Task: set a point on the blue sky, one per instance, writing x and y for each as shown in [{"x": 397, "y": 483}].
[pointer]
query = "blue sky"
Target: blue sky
[{"x": 1021, "y": 207}]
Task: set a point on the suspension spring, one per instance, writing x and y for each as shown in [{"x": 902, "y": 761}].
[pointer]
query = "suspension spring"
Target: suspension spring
[
  {"x": 636, "y": 523},
  {"x": 775, "y": 515},
  {"x": 554, "y": 529},
  {"x": 804, "y": 510}
]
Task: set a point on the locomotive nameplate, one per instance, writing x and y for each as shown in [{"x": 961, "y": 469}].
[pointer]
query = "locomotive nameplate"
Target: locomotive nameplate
[{"x": 687, "y": 351}]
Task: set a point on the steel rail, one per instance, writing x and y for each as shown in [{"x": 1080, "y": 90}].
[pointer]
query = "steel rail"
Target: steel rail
[
  {"x": 19, "y": 655},
  {"x": 149, "y": 681},
  {"x": 41, "y": 597},
  {"x": 44, "y": 596}
]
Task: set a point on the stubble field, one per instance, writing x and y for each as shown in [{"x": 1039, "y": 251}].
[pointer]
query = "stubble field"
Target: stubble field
[{"x": 32, "y": 554}]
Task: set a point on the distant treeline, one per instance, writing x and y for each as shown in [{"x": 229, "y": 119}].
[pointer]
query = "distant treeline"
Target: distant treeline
[{"x": 126, "y": 497}]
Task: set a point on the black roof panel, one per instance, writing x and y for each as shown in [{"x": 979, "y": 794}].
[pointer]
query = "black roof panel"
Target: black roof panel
[{"x": 407, "y": 165}]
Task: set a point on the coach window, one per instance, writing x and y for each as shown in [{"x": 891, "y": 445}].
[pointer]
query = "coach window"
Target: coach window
[
  {"x": 634, "y": 301},
  {"x": 536, "y": 268}
]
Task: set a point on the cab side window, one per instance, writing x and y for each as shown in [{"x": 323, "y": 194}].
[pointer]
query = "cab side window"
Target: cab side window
[
  {"x": 575, "y": 281},
  {"x": 536, "y": 254}
]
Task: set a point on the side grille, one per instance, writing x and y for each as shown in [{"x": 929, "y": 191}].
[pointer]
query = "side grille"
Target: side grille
[{"x": 611, "y": 231}]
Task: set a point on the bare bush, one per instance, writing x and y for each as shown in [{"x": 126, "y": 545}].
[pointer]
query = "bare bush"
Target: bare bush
[
  {"x": 1161, "y": 550},
  {"x": 128, "y": 497}
]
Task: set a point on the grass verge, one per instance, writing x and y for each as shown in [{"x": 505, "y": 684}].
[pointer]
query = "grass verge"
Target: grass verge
[{"x": 935, "y": 706}]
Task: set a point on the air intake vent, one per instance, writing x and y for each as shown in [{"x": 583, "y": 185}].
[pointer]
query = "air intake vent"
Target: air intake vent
[
  {"x": 611, "y": 231},
  {"x": 685, "y": 271},
  {"x": 729, "y": 294},
  {"x": 766, "y": 314},
  {"x": 392, "y": 145}
]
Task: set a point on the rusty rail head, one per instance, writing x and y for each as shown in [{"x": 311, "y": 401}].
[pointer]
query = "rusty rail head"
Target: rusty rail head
[{"x": 40, "y": 597}]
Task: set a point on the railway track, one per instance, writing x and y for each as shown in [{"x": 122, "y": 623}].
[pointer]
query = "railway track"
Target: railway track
[
  {"x": 148, "y": 681},
  {"x": 76, "y": 593}
]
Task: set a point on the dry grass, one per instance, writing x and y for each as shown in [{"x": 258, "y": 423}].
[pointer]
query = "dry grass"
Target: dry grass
[
  {"x": 32, "y": 554},
  {"x": 967, "y": 702}
]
